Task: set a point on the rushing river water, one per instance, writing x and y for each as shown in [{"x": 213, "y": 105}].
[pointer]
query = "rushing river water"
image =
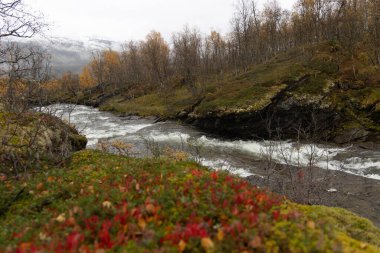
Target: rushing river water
[{"x": 238, "y": 156}]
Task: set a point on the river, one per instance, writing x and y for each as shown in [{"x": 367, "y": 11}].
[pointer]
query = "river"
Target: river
[{"x": 240, "y": 157}]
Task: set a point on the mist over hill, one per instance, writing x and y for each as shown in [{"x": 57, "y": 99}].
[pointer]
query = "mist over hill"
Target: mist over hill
[{"x": 69, "y": 54}]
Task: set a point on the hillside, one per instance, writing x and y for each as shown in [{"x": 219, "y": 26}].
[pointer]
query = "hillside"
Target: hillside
[
  {"x": 105, "y": 202},
  {"x": 319, "y": 92},
  {"x": 70, "y": 55}
]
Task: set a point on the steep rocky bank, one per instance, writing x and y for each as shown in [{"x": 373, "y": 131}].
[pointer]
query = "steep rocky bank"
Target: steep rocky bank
[{"x": 289, "y": 115}]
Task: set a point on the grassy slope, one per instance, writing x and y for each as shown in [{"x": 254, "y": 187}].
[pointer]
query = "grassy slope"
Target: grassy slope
[
  {"x": 331, "y": 79},
  {"x": 253, "y": 90},
  {"x": 102, "y": 201},
  {"x": 155, "y": 104}
]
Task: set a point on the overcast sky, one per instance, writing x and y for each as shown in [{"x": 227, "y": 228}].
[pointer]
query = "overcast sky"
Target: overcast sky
[{"x": 123, "y": 20}]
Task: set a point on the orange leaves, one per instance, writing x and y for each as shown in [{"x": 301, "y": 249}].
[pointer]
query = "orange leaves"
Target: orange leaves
[
  {"x": 141, "y": 223},
  {"x": 261, "y": 197},
  {"x": 310, "y": 224},
  {"x": 196, "y": 173},
  {"x": 86, "y": 78},
  {"x": 111, "y": 57},
  {"x": 26, "y": 247},
  {"x": 50, "y": 179},
  {"x": 207, "y": 244},
  {"x": 181, "y": 246},
  {"x": 40, "y": 187},
  {"x": 220, "y": 235},
  {"x": 214, "y": 175},
  {"x": 150, "y": 208},
  {"x": 105, "y": 67}
]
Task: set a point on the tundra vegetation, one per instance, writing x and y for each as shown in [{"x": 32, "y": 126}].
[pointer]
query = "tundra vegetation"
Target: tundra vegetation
[
  {"x": 113, "y": 203},
  {"x": 54, "y": 200}
]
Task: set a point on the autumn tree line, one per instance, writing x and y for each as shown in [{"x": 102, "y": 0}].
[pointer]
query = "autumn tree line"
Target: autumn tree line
[
  {"x": 255, "y": 36},
  {"x": 22, "y": 68},
  {"x": 191, "y": 58}
]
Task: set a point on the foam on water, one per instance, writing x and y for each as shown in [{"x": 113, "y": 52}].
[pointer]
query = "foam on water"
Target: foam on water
[
  {"x": 169, "y": 137},
  {"x": 223, "y": 165},
  {"x": 283, "y": 152},
  {"x": 95, "y": 125},
  {"x": 362, "y": 166}
]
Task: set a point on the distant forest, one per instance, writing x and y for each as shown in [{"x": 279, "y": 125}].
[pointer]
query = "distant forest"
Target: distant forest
[{"x": 255, "y": 36}]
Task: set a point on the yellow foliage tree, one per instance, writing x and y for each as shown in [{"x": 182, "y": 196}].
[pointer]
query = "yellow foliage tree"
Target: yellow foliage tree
[{"x": 86, "y": 78}]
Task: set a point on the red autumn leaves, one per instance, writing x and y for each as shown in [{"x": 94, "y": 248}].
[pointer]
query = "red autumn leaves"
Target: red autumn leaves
[{"x": 147, "y": 211}]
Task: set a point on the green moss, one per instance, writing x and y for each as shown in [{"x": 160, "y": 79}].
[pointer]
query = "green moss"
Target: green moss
[
  {"x": 346, "y": 222},
  {"x": 162, "y": 104},
  {"x": 314, "y": 85},
  {"x": 252, "y": 90},
  {"x": 77, "y": 141},
  {"x": 251, "y": 98},
  {"x": 325, "y": 62},
  {"x": 368, "y": 97}
]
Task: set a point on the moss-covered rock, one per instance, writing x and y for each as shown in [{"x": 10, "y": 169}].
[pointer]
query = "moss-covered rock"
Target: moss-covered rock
[
  {"x": 346, "y": 222},
  {"x": 31, "y": 139}
]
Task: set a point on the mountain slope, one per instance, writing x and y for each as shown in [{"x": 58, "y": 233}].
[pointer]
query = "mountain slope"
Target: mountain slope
[{"x": 72, "y": 55}]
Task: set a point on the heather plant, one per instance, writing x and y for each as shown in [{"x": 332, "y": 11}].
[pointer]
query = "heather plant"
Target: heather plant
[{"x": 103, "y": 202}]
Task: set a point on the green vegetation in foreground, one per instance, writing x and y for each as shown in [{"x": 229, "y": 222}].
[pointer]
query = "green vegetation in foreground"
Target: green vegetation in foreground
[{"x": 103, "y": 201}]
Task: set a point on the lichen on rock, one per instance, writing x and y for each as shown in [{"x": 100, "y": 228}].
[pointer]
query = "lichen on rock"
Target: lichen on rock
[{"x": 30, "y": 139}]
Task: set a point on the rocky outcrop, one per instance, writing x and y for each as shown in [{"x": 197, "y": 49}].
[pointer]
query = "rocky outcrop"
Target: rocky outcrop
[
  {"x": 29, "y": 140},
  {"x": 283, "y": 118},
  {"x": 292, "y": 114}
]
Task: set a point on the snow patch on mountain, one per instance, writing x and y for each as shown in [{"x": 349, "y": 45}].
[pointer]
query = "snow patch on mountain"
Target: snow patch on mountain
[{"x": 72, "y": 55}]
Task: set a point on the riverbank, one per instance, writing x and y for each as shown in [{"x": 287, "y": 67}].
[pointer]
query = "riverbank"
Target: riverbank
[
  {"x": 107, "y": 202},
  {"x": 312, "y": 96},
  {"x": 243, "y": 157}
]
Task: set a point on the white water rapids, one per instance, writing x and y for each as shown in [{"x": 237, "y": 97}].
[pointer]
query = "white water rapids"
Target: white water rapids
[{"x": 238, "y": 156}]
